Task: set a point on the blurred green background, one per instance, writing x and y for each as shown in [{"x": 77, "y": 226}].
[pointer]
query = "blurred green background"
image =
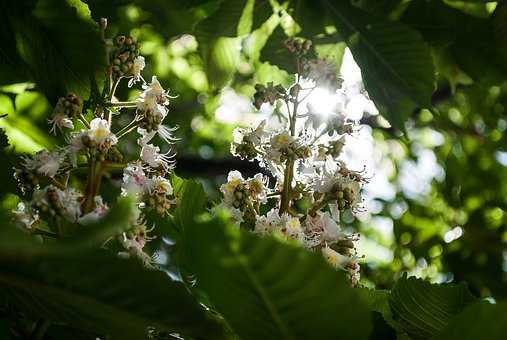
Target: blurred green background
[{"x": 436, "y": 205}]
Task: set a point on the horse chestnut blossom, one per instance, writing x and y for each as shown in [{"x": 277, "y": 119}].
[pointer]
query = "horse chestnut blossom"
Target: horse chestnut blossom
[
  {"x": 55, "y": 204},
  {"x": 311, "y": 186}
]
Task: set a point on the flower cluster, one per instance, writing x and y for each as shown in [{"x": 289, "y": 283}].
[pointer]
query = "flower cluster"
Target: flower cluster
[
  {"x": 56, "y": 203},
  {"x": 311, "y": 185}
]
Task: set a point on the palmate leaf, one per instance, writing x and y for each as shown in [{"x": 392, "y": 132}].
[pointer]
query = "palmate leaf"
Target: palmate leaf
[
  {"x": 54, "y": 42},
  {"x": 396, "y": 64},
  {"x": 377, "y": 300},
  {"x": 222, "y": 61},
  {"x": 423, "y": 309},
  {"x": 216, "y": 35},
  {"x": 310, "y": 16},
  {"x": 275, "y": 52},
  {"x": 97, "y": 291},
  {"x": 478, "y": 321},
  {"x": 191, "y": 199},
  {"x": 266, "y": 289},
  {"x": 100, "y": 292},
  {"x": 465, "y": 47},
  {"x": 232, "y": 18}
]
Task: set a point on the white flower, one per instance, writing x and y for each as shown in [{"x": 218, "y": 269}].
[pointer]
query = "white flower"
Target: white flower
[
  {"x": 277, "y": 143},
  {"x": 321, "y": 228},
  {"x": 154, "y": 97},
  {"x": 152, "y": 105},
  {"x": 281, "y": 140},
  {"x": 149, "y": 105},
  {"x": 134, "y": 179},
  {"x": 236, "y": 214},
  {"x": 267, "y": 224},
  {"x": 323, "y": 72},
  {"x": 75, "y": 145},
  {"x": 292, "y": 227},
  {"x": 286, "y": 225},
  {"x": 134, "y": 241},
  {"x": 155, "y": 90},
  {"x": 138, "y": 66},
  {"x": 25, "y": 215},
  {"x": 234, "y": 179},
  {"x": 146, "y": 136},
  {"x": 70, "y": 202},
  {"x": 152, "y": 156},
  {"x": 283, "y": 144},
  {"x": 100, "y": 132},
  {"x": 39, "y": 197},
  {"x": 346, "y": 263},
  {"x": 44, "y": 162},
  {"x": 334, "y": 119},
  {"x": 258, "y": 187},
  {"x": 247, "y": 142},
  {"x": 159, "y": 185},
  {"x": 332, "y": 176},
  {"x": 96, "y": 214},
  {"x": 254, "y": 136},
  {"x": 354, "y": 188},
  {"x": 334, "y": 258},
  {"x": 60, "y": 121},
  {"x": 166, "y": 133}
]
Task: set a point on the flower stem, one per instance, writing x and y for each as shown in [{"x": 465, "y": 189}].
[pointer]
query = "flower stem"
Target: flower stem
[
  {"x": 287, "y": 186},
  {"x": 121, "y": 104},
  {"x": 127, "y": 129},
  {"x": 289, "y": 165},
  {"x": 317, "y": 206},
  {"x": 114, "y": 87},
  {"x": 41, "y": 232},
  {"x": 84, "y": 121},
  {"x": 310, "y": 90},
  {"x": 93, "y": 187},
  {"x": 58, "y": 184}
]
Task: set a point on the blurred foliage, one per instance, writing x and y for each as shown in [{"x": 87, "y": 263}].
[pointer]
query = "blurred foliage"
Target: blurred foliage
[{"x": 435, "y": 69}]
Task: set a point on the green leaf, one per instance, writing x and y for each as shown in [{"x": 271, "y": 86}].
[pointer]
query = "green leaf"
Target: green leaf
[
  {"x": 106, "y": 9},
  {"x": 245, "y": 22},
  {"x": 100, "y": 292},
  {"x": 117, "y": 220},
  {"x": 4, "y": 140},
  {"x": 473, "y": 46},
  {"x": 269, "y": 290},
  {"x": 223, "y": 22},
  {"x": 438, "y": 23},
  {"x": 396, "y": 63},
  {"x": 384, "y": 7},
  {"x": 92, "y": 236},
  {"x": 191, "y": 200},
  {"x": 478, "y": 321},
  {"x": 222, "y": 61},
  {"x": 215, "y": 35},
  {"x": 423, "y": 309},
  {"x": 261, "y": 13},
  {"x": 58, "y": 44},
  {"x": 310, "y": 16},
  {"x": 275, "y": 53},
  {"x": 377, "y": 300},
  {"x": 265, "y": 72},
  {"x": 333, "y": 53}
]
